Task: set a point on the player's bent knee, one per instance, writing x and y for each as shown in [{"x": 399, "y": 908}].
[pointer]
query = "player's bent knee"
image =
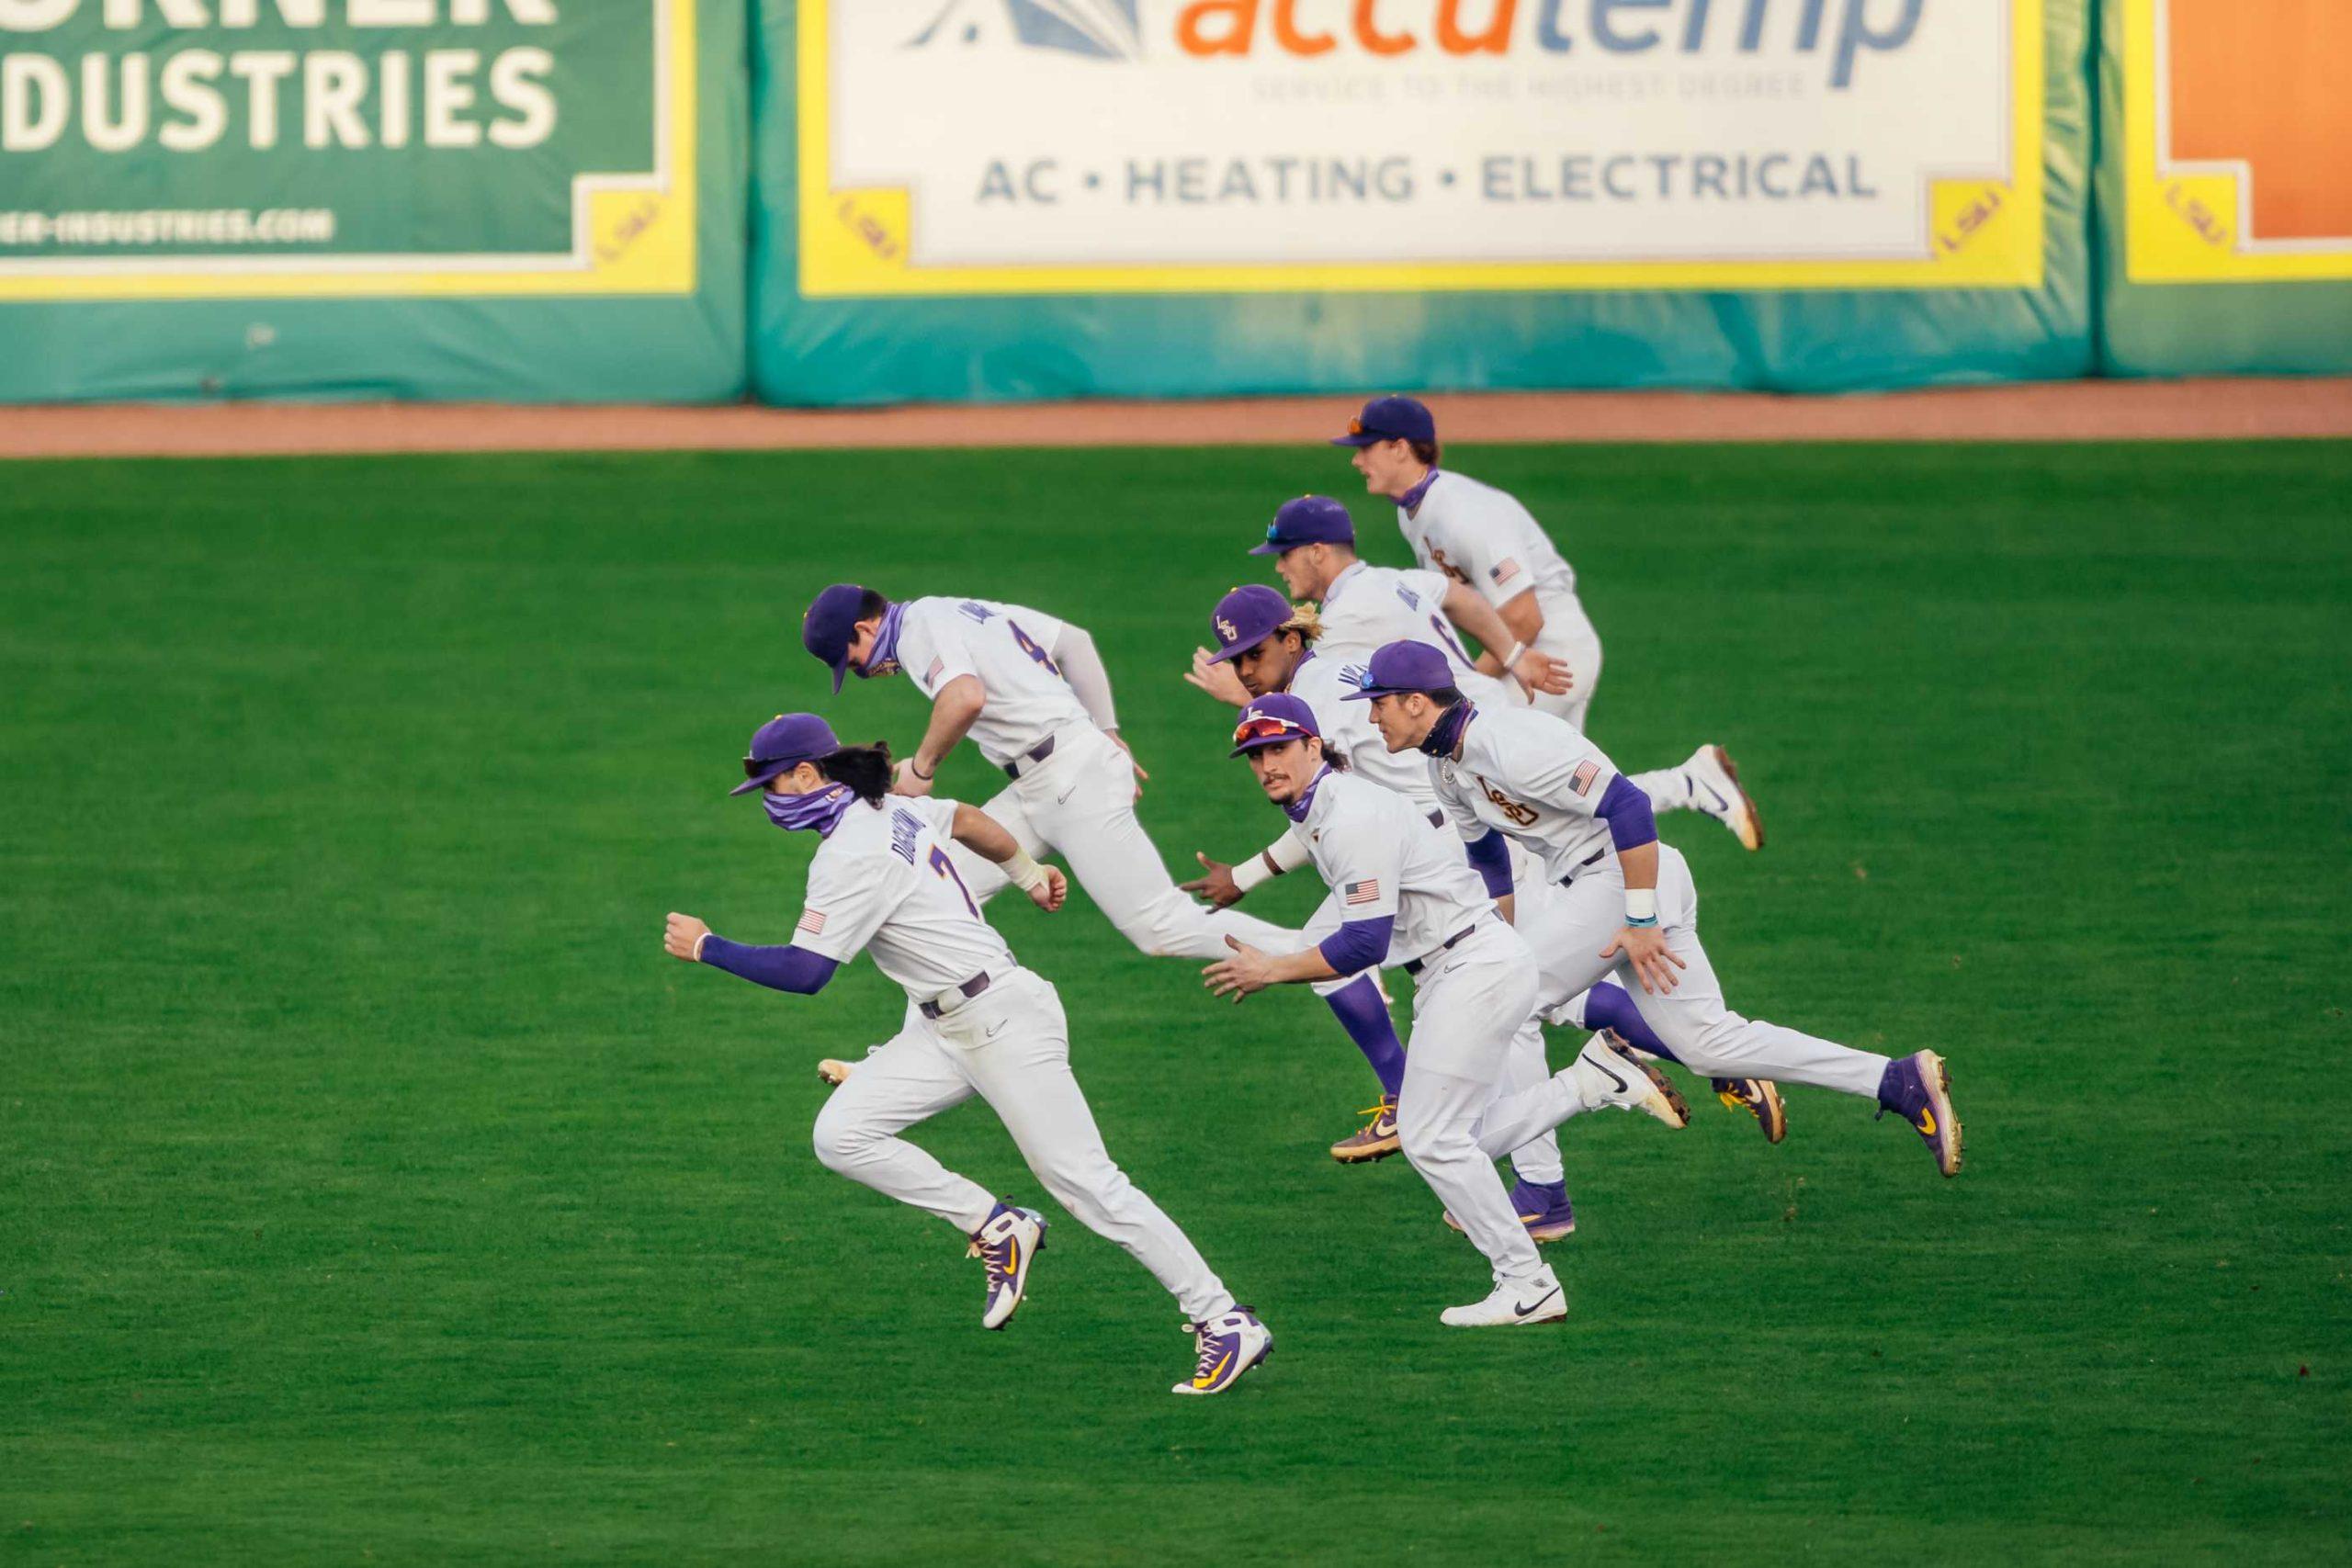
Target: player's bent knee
[{"x": 840, "y": 1143}]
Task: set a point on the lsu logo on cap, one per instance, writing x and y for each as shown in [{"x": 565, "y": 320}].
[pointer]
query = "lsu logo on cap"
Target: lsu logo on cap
[{"x": 1227, "y": 630}]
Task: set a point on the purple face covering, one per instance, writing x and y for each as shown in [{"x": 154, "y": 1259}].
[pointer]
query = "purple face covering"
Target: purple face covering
[
  {"x": 818, "y": 809},
  {"x": 885, "y": 655}
]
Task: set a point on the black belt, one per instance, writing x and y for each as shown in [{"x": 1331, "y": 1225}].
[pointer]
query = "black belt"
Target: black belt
[
  {"x": 1037, "y": 753},
  {"x": 1415, "y": 966},
  {"x": 970, "y": 988},
  {"x": 1584, "y": 865}
]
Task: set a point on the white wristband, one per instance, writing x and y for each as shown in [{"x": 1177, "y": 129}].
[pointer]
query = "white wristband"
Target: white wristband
[
  {"x": 698, "y": 942},
  {"x": 1512, "y": 657},
  {"x": 1641, "y": 905},
  {"x": 1023, "y": 870},
  {"x": 1254, "y": 871}
]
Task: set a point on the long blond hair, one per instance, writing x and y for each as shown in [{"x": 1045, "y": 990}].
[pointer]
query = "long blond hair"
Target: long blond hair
[{"x": 1306, "y": 620}]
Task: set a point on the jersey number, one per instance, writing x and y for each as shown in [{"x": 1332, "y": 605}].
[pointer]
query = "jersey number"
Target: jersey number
[
  {"x": 946, "y": 868},
  {"x": 1029, "y": 646}
]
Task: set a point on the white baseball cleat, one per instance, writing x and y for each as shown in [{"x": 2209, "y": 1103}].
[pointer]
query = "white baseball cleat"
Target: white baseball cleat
[
  {"x": 1537, "y": 1299},
  {"x": 1006, "y": 1241},
  {"x": 835, "y": 1072},
  {"x": 1607, "y": 1072},
  {"x": 1715, "y": 789}
]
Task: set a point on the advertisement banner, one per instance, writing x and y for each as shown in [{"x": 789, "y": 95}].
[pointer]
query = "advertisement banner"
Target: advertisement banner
[
  {"x": 188, "y": 154},
  {"x": 2227, "y": 125},
  {"x": 1057, "y": 146},
  {"x": 988, "y": 200}
]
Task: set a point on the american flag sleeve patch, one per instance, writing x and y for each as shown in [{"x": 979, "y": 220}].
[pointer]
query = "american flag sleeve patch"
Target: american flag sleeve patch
[
  {"x": 812, "y": 922},
  {"x": 1503, "y": 570},
  {"x": 1582, "y": 781},
  {"x": 931, "y": 676},
  {"x": 1364, "y": 892}
]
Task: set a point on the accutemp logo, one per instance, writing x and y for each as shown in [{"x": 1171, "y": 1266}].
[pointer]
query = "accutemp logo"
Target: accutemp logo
[{"x": 1840, "y": 32}]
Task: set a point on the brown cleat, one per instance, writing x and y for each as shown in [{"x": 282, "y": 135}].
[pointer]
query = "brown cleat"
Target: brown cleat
[
  {"x": 1715, "y": 790},
  {"x": 1759, "y": 1097},
  {"x": 1376, "y": 1140}
]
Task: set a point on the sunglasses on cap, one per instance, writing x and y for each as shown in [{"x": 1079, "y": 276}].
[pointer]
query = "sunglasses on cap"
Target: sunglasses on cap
[
  {"x": 1252, "y": 730},
  {"x": 754, "y": 766}
]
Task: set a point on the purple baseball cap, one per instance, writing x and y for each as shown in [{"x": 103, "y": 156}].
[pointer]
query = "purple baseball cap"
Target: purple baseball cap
[
  {"x": 1389, "y": 419},
  {"x": 1273, "y": 720},
  {"x": 782, "y": 744},
  {"x": 1401, "y": 667},
  {"x": 1310, "y": 520},
  {"x": 1245, "y": 618},
  {"x": 831, "y": 626}
]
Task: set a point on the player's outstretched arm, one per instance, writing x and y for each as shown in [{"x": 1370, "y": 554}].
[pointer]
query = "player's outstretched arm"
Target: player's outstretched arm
[
  {"x": 1507, "y": 651},
  {"x": 986, "y": 837},
  {"x": 1633, "y": 828},
  {"x": 952, "y": 714},
  {"x": 1223, "y": 886},
  {"x": 1358, "y": 946},
  {"x": 794, "y": 969}
]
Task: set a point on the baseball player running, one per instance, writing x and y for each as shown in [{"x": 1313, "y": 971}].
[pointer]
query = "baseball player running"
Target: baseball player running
[
  {"x": 1483, "y": 538},
  {"x": 1400, "y": 892},
  {"x": 883, "y": 881},
  {"x": 1630, "y": 908},
  {"x": 1031, "y": 692},
  {"x": 1264, "y": 646}
]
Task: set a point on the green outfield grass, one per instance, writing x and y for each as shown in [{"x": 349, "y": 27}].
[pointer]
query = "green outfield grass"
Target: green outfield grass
[{"x": 373, "y": 1189}]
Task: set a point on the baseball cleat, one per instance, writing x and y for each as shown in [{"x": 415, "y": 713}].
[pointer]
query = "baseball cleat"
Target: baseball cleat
[
  {"x": 1229, "y": 1345},
  {"x": 1006, "y": 1241},
  {"x": 1715, "y": 789},
  {"x": 1760, "y": 1098},
  {"x": 1918, "y": 1089},
  {"x": 1542, "y": 1207},
  {"x": 1375, "y": 1140},
  {"x": 1540, "y": 1299},
  {"x": 833, "y": 1072},
  {"x": 1609, "y": 1074}
]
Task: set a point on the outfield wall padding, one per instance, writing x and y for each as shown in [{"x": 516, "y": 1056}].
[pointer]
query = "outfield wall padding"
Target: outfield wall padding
[
  {"x": 2227, "y": 244},
  {"x": 520, "y": 200},
  {"x": 1003, "y": 199}
]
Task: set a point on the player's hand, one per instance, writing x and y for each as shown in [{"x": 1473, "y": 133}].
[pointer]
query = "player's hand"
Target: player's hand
[
  {"x": 1539, "y": 672},
  {"x": 904, "y": 780},
  {"x": 1217, "y": 680},
  {"x": 1248, "y": 970},
  {"x": 1654, "y": 964},
  {"x": 1217, "y": 887},
  {"x": 682, "y": 938},
  {"x": 1121, "y": 742},
  {"x": 1048, "y": 895}
]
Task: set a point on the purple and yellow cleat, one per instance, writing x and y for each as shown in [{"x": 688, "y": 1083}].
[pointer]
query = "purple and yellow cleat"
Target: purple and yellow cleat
[
  {"x": 1375, "y": 1140},
  {"x": 1918, "y": 1089},
  {"x": 1006, "y": 1241},
  {"x": 1544, "y": 1208},
  {"x": 1760, "y": 1098},
  {"x": 1229, "y": 1345}
]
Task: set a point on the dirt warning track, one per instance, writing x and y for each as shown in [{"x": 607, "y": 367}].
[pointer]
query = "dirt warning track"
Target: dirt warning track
[{"x": 2074, "y": 411}]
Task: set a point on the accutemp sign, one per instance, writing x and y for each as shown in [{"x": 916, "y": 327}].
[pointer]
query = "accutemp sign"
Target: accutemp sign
[{"x": 1052, "y": 146}]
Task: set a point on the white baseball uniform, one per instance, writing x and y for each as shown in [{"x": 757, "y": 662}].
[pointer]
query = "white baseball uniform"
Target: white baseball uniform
[
  {"x": 1539, "y": 779},
  {"x": 1380, "y": 856},
  {"x": 1482, "y": 536},
  {"x": 1073, "y": 789},
  {"x": 1321, "y": 682},
  {"x": 884, "y": 882}
]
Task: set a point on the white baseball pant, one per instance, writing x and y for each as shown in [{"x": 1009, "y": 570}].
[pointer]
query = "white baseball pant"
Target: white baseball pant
[
  {"x": 1569, "y": 931},
  {"x": 1010, "y": 1046},
  {"x": 1079, "y": 804},
  {"x": 1467, "y": 1008}
]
